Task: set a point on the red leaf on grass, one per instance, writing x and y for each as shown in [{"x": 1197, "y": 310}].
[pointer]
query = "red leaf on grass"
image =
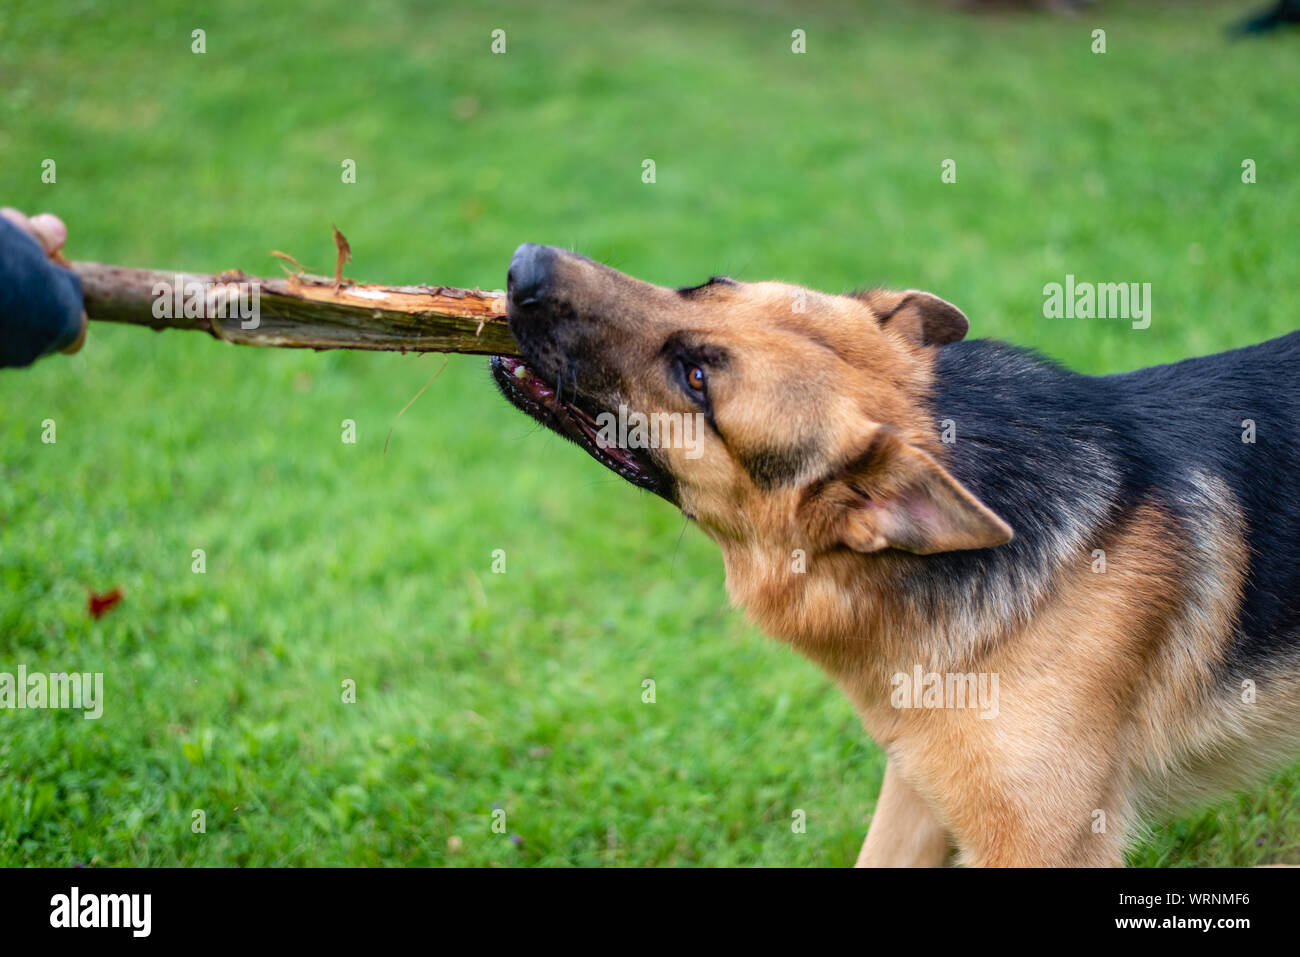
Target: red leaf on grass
[{"x": 102, "y": 604}]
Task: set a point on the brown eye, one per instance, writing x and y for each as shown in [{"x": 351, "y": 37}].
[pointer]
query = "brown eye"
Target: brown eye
[{"x": 695, "y": 378}]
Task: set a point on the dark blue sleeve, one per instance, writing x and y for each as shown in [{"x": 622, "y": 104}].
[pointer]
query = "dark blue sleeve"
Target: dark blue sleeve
[{"x": 40, "y": 302}]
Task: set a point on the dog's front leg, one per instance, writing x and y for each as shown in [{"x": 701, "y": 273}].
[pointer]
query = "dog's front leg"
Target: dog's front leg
[{"x": 904, "y": 831}]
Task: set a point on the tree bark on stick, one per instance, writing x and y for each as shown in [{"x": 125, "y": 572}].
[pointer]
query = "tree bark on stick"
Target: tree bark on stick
[{"x": 302, "y": 311}]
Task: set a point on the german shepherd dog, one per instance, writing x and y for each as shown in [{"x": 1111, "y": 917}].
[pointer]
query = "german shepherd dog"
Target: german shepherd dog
[{"x": 1115, "y": 558}]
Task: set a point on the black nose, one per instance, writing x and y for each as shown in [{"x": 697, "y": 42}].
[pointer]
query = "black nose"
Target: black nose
[{"x": 529, "y": 271}]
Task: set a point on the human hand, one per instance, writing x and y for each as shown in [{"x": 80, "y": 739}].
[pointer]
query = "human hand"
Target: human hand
[{"x": 50, "y": 234}]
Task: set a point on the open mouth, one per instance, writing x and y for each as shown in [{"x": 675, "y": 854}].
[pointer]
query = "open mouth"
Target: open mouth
[{"x": 527, "y": 392}]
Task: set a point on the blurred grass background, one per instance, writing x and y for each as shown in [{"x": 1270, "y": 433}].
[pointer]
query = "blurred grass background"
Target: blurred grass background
[{"x": 326, "y": 561}]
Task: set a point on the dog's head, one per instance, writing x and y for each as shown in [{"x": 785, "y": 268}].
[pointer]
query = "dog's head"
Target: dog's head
[{"x": 770, "y": 414}]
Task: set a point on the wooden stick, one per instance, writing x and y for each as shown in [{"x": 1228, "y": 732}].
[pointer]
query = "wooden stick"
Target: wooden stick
[{"x": 300, "y": 311}]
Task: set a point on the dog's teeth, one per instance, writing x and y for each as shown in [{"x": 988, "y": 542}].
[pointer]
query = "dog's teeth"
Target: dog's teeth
[{"x": 521, "y": 372}]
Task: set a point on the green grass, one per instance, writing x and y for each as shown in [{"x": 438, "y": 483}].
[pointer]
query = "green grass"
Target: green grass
[{"x": 325, "y": 561}]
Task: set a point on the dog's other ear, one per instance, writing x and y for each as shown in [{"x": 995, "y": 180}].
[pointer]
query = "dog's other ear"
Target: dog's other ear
[
  {"x": 920, "y": 316},
  {"x": 896, "y": 496}
]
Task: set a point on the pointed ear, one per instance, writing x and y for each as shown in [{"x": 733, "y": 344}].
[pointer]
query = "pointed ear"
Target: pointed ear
[
  {"x": 920, "y": 316},
  {"x": 896, "y": 496}
]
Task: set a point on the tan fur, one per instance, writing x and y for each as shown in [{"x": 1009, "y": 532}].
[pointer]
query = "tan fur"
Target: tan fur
[
  {"x": 904, "y": 831},
  {"x": 1104, "y": 691},
  {"x": 1106, "y": 704}
]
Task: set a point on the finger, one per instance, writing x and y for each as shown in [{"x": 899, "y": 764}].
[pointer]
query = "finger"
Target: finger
[
  {"x": 46, "y": 228},
  {"x": 49, "y": 229},
  {"x": 40, "y": 232}
]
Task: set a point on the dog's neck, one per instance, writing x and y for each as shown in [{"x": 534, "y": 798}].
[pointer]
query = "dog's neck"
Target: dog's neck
[{"x": 856, "y": 614}]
